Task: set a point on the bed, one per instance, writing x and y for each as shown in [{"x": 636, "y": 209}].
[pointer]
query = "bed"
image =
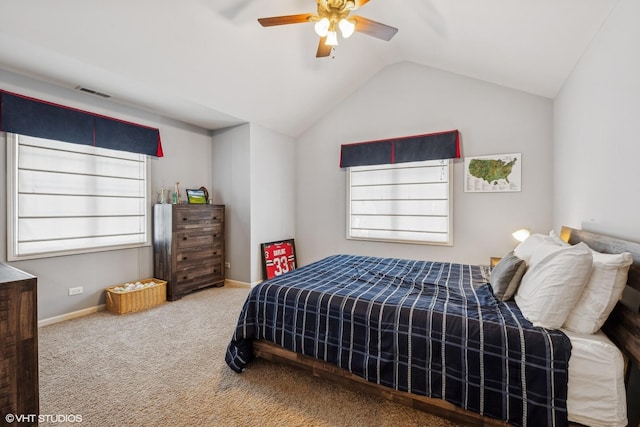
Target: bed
[{"x": 433, "y": 335}]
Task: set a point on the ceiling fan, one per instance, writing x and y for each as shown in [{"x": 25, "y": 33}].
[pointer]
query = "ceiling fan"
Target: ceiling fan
[{"x": 333, "y": 15}]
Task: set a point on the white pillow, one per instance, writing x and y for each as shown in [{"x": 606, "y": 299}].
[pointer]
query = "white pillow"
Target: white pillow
[
  {"x": 551, "y": 287},
  {"x": 601, "y": 293},
  {"x": 557, "y": 239},
  {"x": 529, "y": 245},
  {"x": 545, "y": 248}
]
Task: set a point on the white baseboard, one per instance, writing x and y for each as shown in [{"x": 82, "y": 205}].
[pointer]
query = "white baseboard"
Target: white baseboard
[
  {"x": 72, "y": 315},
  {"x": 236, "y": 284},
  {"x": 91, "y": 310}
]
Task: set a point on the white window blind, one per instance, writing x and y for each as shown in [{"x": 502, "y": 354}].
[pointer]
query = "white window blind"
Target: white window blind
[
  {"x": 405, "y": 202},
  {"x": 68, "y": 198}
]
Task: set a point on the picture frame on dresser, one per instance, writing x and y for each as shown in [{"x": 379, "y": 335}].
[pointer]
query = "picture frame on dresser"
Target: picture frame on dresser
[{"x": 196, "y": 197}]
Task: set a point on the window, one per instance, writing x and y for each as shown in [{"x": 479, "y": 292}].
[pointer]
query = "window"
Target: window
[
  {"x": 67, "y": 198},
  {"x": 405, "y": 202}
]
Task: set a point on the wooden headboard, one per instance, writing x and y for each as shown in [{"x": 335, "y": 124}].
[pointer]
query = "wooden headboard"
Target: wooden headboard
[{"x": 623, "y": 325}]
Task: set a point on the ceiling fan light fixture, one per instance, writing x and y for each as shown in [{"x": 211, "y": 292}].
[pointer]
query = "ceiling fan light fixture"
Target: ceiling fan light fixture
[
  {"x": 322, "y": 27},
  {"x": 347, "y": 27},
  {"x": 332, "y": 38},
  {"x": 332, "y": 16}
]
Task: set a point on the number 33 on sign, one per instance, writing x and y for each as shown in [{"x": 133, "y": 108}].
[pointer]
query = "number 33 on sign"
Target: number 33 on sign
[{"x": 278, "y": 258}]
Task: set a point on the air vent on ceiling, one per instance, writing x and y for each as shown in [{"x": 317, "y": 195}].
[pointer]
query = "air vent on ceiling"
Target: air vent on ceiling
[{"x": 93, "y": 92}]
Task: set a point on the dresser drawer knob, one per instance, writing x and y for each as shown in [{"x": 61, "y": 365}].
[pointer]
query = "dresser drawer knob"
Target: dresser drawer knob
[
  {"x": 185, "y": 219},
  {"x": 184, "y": 238}
]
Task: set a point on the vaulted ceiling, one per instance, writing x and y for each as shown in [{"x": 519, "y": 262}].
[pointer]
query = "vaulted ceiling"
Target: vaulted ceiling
[{"x": 209, "y": 62}]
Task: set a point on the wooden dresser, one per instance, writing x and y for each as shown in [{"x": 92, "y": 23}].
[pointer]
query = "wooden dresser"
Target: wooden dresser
[
  {"x": 188, "y": 246},
  {"x": 18, "y": 344}
]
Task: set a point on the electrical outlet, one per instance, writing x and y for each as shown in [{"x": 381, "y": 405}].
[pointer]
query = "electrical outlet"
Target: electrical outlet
[
  {"x": 227, "y": 265},
  {"x": 76, "y": 291}
]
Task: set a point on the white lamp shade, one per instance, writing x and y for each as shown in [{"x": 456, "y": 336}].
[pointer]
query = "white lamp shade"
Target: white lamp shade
[
  {"x": 521, "y": 234},
  {"x": 346, "y": 27},
  {"x": 332, "y": 38},
  {"x": 322, "y": 27}
]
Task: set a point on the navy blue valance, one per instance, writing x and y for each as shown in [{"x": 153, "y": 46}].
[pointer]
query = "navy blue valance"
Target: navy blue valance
[
  {"x": 432, "y": 146},
  {"x": 33, "y": 117}
]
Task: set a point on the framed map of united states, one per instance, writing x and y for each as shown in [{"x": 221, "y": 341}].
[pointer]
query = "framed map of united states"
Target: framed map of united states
[{"x": 496, "y": 172}]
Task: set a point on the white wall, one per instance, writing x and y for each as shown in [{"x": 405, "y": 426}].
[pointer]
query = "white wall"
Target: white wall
[
  {"x": 253, "y": 175},
  {"x": 408, "y": 99},
  {"x": 272, "y": 192},
  {"x": 596, "y": 132},
  {"x": 97, "y": 271},
  {"x": 232, "y": 187}
]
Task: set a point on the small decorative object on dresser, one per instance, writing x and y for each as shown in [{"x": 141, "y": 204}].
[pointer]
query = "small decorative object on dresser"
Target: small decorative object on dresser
[
  {"x": 18, "y": 345},
  {"x": 206, "y": 194},
  {"x": 188, "y": 246}
]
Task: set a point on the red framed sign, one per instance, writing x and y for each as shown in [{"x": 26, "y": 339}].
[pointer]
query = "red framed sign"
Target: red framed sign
[{"x": 278, "y": 258}]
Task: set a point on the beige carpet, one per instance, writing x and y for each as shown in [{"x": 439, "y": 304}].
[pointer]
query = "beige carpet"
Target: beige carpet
[{"x": 165, "y": 367}]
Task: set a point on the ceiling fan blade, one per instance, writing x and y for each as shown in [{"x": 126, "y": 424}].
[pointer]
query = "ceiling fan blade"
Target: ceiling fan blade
[
  {"x": 374, "y": 29},
  {"x": 323, "y": 49},
  {"x": 284, "y": 20},
  {"x": 360, "y": 3}
]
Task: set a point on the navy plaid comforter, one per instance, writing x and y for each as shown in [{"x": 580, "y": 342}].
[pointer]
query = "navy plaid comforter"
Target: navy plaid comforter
[{"x": 429, "y": 328}]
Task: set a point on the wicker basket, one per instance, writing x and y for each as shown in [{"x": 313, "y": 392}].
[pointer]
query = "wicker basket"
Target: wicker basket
[{"x": 138, "y": 300}]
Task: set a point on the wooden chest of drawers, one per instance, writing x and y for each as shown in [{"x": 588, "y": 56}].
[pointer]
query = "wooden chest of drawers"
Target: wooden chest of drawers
[
  {"x": 188, "y": 246},
  {"x": 18, "y": 345}
]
